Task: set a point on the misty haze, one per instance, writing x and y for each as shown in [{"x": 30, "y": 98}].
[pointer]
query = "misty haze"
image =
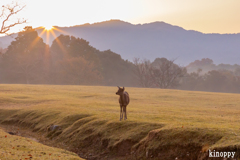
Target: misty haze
[
  {"x": 107, "y": 51},
  {"x": 119, "y": 80},
  {"x": 151, "y": 40}
]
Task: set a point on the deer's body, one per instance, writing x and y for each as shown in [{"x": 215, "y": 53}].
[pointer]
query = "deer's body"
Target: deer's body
[{"x": 123, "y": 101}]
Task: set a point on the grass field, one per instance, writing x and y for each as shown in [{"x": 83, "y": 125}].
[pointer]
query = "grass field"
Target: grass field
[
  {"x": 161, "y": 123},
  {"x": 15, "y": 147}
]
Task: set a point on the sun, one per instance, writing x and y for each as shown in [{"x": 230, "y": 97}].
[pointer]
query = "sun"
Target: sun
[{"x": 48, "y": 27}]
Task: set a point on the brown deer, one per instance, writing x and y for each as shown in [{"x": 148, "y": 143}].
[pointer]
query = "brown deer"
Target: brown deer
[{"x": 123, "y": 101}]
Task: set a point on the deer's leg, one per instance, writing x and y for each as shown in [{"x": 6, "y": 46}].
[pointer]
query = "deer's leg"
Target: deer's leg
[
  {"x": 124, "y": 111},
  {"x": 121, "y": 113}
]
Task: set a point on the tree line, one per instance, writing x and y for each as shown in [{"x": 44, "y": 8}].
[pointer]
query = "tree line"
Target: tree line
[
  {"x": 73, "y": 61},
  {"x": 69, "y": 60},
  {"x": 164, "y": 73},
  {"x": 221, "y": 80}
]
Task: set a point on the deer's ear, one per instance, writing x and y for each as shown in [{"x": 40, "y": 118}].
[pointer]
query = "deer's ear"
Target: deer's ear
[
  {"x": 118, "y": 87},
  {"x": 123, "y": 88}
]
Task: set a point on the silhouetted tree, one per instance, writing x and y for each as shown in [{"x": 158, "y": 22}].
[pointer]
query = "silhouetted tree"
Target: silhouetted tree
[
  {"x": 193, "y": 81},
  {"x": 213, "y": 81},
  {"x": 78, "y": 71},
  {"x": 65, "y": 46},
  {"x": 221, "y": 81},
  {"x": 115, "y": 70},
  {"x": 74, "y": 57},
  {"x": 27, "y": 58},
  {"x": 59, "y": 47}
]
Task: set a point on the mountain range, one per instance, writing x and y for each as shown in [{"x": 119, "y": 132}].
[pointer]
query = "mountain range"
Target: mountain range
[{"x": 150, "y": 40}]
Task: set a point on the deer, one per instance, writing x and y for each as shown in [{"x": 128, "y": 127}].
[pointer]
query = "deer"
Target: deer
[{"x": 123, "y": 101}]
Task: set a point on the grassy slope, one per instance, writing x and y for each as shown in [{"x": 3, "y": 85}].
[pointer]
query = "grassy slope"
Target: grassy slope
[
  {"x": 15, "y": 147},
  {"x": 160, "y": 122}
]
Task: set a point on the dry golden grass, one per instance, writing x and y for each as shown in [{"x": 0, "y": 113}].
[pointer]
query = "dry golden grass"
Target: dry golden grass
[
  {"x": 16, "y": 147},
  {"x": 94, "y": 108},
  {"x": 174, "y": 107}
]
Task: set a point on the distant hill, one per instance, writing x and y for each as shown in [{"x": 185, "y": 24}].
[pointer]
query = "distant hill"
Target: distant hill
[
  {"x": 152, "y": 40},
  {"x": 205, "y": 65}
]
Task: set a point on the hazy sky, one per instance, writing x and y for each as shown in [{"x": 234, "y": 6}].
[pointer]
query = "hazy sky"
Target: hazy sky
[{"x": 208, "y": 16}]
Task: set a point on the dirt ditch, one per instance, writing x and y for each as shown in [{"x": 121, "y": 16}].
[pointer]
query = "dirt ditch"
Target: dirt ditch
[
  {"x": 154, "y": 146},
  {"x": 97, "y": 139}
]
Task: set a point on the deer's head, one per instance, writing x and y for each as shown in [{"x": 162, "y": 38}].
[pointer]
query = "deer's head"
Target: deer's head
[{"x": 120, "y": 91}]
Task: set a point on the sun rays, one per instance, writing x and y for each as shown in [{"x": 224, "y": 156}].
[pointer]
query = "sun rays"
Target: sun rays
[
  {"x": 49, "y": 27},
  {"x": 58, "y": 41},
  {"x": 49, "y": 30}
]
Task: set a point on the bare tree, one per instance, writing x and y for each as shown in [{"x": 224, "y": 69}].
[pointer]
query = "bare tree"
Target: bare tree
[
  {"x": 7, "y": 14},
  {"x": 161, "y": 73},
  {"x": 142, "y": 71},
  {"x": 165, "y": 73}
]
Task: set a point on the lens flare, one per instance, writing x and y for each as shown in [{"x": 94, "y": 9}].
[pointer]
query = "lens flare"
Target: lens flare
[{"x": 48, "y": 27}]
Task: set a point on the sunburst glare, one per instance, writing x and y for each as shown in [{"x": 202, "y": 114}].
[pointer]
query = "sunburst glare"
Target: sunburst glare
[{"x": 48, "y": 27}]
